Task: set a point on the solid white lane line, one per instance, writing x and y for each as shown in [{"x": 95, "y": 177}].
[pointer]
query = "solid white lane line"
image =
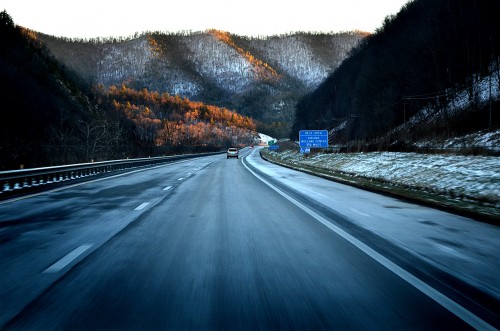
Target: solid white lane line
[
  {"x": 142, "y": 206},
  {"x": 455, "y": 308},
  {"x": 59, "y": 265},
  {"x": 167, "y": 188}
]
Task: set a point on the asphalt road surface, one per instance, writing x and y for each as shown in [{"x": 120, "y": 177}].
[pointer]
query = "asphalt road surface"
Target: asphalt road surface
[{"x": 201, "y": 244}]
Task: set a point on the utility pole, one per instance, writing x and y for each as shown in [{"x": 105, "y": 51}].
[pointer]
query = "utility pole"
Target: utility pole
[
  {"x": 404, "y": 113},
  {"x": 489, "y": 125}
]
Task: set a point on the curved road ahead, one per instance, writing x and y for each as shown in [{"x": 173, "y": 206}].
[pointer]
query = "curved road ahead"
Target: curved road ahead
[{"x": 197, "y": 245}]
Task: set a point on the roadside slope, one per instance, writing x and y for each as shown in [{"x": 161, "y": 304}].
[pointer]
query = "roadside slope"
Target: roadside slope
[{"x": 466, "y": 185}]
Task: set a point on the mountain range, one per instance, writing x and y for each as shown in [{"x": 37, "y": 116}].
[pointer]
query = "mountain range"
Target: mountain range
[{"x": 258, "y": 77}]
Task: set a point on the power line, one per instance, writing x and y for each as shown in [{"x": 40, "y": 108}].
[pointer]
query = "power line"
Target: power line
[{"x": 429, "y": 96}]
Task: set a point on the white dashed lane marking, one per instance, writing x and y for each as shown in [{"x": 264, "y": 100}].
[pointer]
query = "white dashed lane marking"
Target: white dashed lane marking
[
  {"x": 62, "y": 263},
  {"x": 142, "y": 206}
]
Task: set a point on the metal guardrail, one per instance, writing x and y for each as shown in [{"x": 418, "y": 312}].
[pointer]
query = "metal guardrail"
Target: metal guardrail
[{"x": 14, "y": 181}]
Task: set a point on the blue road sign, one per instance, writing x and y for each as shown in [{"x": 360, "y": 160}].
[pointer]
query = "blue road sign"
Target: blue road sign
[
  {"x": 274, "y": 147},
  {"x": 313, "y": 138},
  {"x": 305, "y": 150}
]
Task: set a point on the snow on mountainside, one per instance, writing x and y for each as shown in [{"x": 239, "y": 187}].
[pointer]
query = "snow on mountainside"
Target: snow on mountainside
[
  {"x": 466, "y": 100},
  {"x": 307, "y": 58},
  {"x": 124, "y": 63},
  {"x": 259, "y": 77},
  {"x": 478, "y": 94},
  {"x": 215, "y": 59},
  {"x": 294, "y": 56}
]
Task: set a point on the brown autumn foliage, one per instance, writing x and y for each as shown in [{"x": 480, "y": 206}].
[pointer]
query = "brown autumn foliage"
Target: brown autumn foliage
[
  {"x": 263, "y": 70},
  {"x": 165, "y": 120}
]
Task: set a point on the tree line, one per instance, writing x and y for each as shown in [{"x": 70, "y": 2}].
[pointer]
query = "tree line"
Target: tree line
[{"x": 421, "y": 57}]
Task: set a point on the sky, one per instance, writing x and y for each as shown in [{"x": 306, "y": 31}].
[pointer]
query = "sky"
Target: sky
[{"x": 123, "y": 18}]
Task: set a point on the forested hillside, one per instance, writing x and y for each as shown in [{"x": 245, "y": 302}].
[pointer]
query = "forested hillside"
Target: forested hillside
[
  {"x": 161, "y": 122},
  {"x": 57, "y": 117},
  {"x": 262, "y": 78},
  {"x": 41, "y": 101},
  {"x": 434, "y": 59}
]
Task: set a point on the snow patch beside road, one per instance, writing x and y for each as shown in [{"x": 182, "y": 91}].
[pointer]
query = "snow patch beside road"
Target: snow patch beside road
[{"x": 459, "y": 178}]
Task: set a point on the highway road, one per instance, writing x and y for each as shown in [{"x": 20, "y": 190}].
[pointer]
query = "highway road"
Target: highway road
[{"x": 200, "y": 244}]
